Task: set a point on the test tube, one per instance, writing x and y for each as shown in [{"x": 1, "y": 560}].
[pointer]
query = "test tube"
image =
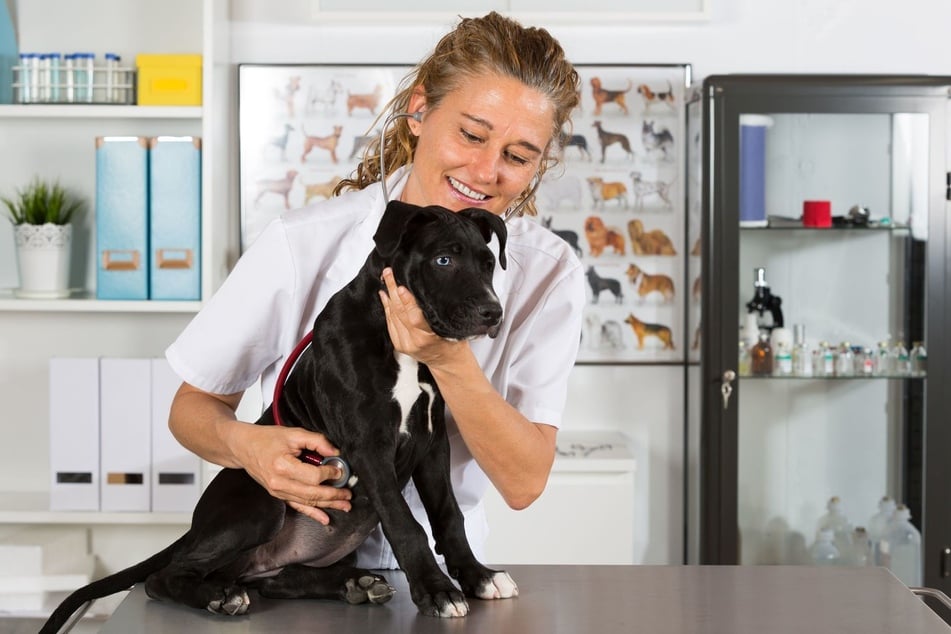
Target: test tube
[
  {"x": 55, "y": 61},
  {"x": 90, "y": 76},
  {"x": 68, "y": 70},
  {"x": 112, "y": 77},
  {"x": 24, "y": 78}
]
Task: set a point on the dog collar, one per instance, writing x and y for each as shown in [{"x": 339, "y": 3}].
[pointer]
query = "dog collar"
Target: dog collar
[{"x": 308, "y": 456}]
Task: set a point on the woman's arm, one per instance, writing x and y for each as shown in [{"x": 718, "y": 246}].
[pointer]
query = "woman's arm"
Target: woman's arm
[{"x": 205, "y": 423}]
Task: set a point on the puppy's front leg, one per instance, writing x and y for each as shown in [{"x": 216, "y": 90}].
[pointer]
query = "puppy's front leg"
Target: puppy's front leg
[
  {"x": 431, "y": 590},
  {"x": 435, "y": 490}
]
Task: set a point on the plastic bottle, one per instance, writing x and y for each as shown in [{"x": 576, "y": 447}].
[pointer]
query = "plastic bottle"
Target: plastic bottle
[
  {"x": 824, "y": 552},
  {"x": 861, "y": 551},
  {"x": 904, "y": 542},
  {"x": 836, "y": 521},
  {"x": 877, "y": 526},
  {"x": 919, "y": 359}
]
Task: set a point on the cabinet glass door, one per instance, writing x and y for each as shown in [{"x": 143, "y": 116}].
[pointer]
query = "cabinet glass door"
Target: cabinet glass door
[{"x": 823, "y": 270}]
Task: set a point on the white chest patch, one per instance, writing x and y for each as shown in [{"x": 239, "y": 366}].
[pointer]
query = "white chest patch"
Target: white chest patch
[{"x": 407, "y": 389}]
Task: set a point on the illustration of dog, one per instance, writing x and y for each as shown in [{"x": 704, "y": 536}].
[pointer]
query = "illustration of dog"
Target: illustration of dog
[
  {"x": 324, "y": 190},
  {"x": 554, "y": 191},
  {"x": 652, "y": 98},
  {"x": 611, "y": 336},
  {"x": 286, "y": 95},
  {"x": 369, "y": 101},
  {"x": 389, "y": 424},
  {"x": 360, "y": 142},
  {"x": 661, "y": 140},
  {"x": 654, "y": 242},
  {"x": 566, "y": 140},
  {"x": 603, "y": 191},
  {"x": 647, "y": 283},
  {"x": 279, "y": 186},
  {"x": 610, "y": 138},
  {"x": 328, "y": 143},
  {"x": 601, "y": 237},
  {"x": 643, "y": 189},
  {"x": 323, "y": 99},
  {"x": 591, "y": 330},
  {"x": 598, "y": 284},
  {"x": 644, "y": 330},
  {"x": 696, "y": 291},
  {"x": 571, "y": 237},
  {"x": 604, "y": 96},
  {"x": 280, "y": 141}
]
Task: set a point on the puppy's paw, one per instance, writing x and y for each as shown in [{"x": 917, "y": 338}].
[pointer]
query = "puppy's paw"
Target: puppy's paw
[
  {"x": 449, "y": 604},
  {"x": 234, "y": 603},
  {"x": 499, "y": 586},
  {"x": 372, "y": 588}
]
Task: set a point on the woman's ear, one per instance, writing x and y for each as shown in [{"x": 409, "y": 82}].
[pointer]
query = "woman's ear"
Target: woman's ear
[{"x": 417, "y": 103}]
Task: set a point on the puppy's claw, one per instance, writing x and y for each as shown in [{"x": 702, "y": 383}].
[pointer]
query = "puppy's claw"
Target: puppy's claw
[
  {"x": 236, "y": 602},
  {"x": 370, "y": 588},
  {"x": 498, "y": 586}
]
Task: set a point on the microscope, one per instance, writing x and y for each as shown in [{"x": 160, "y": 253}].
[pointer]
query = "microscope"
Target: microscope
[{"x": 764, "y": 301}]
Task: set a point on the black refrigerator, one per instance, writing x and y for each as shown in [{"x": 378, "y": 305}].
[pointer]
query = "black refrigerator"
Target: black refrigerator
[{"x": 817, "y": 214}]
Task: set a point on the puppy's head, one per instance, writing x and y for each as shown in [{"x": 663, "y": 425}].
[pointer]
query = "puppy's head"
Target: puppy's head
[{"x": 443, "y": 258}]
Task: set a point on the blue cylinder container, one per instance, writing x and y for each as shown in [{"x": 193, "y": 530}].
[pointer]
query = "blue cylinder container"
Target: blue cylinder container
[{"x": 753, "y": 129}]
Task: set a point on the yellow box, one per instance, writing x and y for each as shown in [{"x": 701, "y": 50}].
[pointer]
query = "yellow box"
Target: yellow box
[{"x": 169, "y": 80}]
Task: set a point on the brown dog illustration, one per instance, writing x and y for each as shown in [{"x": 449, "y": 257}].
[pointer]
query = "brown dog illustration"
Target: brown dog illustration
[
  {"x": 280, "y": 186},
  {"x": 603, "y": 191},
  {"x": 602, "y": 95},
  {"x": 324, "y": 190},
  {"x": 286, "y": 94},
  {"x": 369, "y": 101},
  {"x": 651, "y": 97},
  {"x": 610, "y": 138},
  {"x": 653, "y": 242},
  {"x": 643, "y": 330},
  {"x": 650, "y": 283},
  {"x": 328, "y": 143},
  {"x": 600, "y": 237}
]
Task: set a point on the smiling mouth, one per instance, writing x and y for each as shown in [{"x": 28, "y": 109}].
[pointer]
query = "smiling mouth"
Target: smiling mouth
[{"x": 465, "y": 191}]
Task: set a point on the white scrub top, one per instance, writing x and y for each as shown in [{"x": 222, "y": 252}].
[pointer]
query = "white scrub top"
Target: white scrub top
[{"x": 280, "y": 284}]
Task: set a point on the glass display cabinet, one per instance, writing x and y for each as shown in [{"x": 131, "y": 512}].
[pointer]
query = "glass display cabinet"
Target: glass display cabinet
[{"x": 817, "y": 211}]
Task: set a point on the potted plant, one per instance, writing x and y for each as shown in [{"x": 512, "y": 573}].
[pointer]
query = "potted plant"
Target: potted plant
[{"x": 41, "y": 213}]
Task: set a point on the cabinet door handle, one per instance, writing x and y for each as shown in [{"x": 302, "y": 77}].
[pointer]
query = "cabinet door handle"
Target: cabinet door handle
[
  {"x": 726, "y": 386},
  {"x": 945, "y": 558}
]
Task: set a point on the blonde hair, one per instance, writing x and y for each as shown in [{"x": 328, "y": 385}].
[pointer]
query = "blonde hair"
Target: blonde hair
[{"x": 491, "y": 44}]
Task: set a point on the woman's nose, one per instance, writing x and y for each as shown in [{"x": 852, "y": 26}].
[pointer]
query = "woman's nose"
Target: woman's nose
[{"x": 485, "y": 165}]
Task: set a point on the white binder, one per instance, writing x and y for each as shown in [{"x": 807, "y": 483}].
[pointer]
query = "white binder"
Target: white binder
[
  {"x": 176, "y": 472},
  {"x": 74, "y": 434},
  {"x": 125, "y": 392}
]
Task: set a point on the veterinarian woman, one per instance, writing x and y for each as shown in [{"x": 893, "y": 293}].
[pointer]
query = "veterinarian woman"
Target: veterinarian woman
[{"x": 491, "y": 97}]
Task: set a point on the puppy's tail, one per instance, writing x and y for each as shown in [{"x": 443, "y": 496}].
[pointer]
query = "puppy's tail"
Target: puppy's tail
[{"x": 122, "y": 580}]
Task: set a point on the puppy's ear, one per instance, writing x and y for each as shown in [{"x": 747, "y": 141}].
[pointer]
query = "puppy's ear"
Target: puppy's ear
[
  {"x": 394, "y": 224},
  {"x": 488, "y": 224}
]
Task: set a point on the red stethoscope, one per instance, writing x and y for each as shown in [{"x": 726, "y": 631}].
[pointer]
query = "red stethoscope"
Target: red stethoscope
[{"x": 308, "y": 456}]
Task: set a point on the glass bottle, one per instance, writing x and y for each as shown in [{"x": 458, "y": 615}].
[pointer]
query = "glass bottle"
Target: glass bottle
[
  {"x": 801, "y": 356},
  {"x": 744, "y": 359},
  {"x": 919, "y": 359},
  {"x": 761, "y": 357},
  {"x": 823, "y": 552},
  {"x": 844, "y": 360},
  {"x": 782, "y": 361},
  {"x": 882, "y": 359},
  {"x": 899, "y": 359},
  {"x": 868, "y": 362}
]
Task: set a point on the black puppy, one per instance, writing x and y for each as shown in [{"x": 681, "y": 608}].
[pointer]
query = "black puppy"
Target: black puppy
[{"x": 384, "y": 412}]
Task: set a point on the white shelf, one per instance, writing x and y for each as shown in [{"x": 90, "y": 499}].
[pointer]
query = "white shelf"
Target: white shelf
[
  {"x": 33, "y": 508},
  {"x": 8, "y": 303},
  {"x": 98, "y": 111}
]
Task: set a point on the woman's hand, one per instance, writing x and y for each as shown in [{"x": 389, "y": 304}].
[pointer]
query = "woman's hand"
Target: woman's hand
[
  {"x": 409, "y": 331},
  {"x": 270, "y": 455}
]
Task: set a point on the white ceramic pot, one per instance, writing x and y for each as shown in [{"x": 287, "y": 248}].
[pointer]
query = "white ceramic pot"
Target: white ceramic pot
[{"x": 43, "y": 253}]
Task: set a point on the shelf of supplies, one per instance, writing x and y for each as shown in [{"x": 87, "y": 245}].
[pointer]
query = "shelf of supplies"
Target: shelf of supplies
[
  {"x": 33, "y": 508},
  {"x": 97, "y": 111},
  {"x": 84, "y": 304},
  {"x": 783, "y": 223},
  {"x": 856, "y": 377}
]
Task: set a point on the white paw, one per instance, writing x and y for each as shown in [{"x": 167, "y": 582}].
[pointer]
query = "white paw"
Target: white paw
[
  {"x": 452, "y": 609},
  {"x": 500, "y": 586}
]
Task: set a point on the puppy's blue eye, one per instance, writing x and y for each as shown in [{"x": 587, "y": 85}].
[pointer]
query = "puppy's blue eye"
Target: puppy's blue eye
[{"x": 443, "y": 260}]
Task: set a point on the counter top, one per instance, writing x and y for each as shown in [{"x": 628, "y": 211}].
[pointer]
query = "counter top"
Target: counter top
[{"x": 602, "y": 599}]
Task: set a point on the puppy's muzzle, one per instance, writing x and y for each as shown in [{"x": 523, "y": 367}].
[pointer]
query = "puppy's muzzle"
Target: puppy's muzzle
[{"x": 490, "y": 318}]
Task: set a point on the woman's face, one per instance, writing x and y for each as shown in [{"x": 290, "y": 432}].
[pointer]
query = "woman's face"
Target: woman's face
[{"x": 480, "y": 147}]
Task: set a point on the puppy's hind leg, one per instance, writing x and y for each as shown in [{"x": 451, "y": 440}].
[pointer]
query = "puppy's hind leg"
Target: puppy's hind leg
[{"x": 340, "y": 581}]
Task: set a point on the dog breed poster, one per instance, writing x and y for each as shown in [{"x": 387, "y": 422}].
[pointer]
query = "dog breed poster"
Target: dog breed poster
[
  {"x": 301, "y": 129},
  {"x": 618, "y": 198}
]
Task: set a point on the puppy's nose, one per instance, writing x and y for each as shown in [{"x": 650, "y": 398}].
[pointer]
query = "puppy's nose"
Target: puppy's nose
[{"x": 490, "y": 314}]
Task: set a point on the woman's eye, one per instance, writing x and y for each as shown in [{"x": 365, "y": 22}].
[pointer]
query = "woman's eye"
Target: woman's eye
[
  {"x": 468, "y": 136},
  {"x": 518, "y": 160},
  {"x": 443, "y": 260}
]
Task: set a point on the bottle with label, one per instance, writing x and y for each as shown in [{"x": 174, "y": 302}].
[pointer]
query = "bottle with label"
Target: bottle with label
[
  {"x": 904, "y": 543},
  {"x": 782, "y": 360},
  {"x": 877, "y": 526},
  {"x": 824, "y": 552},
  {"x": 868, "y": 362},
  {"x": 743, "y": 364},
  {"x": 836, "y": 521},
  {"x": 899, "y": 360},
  {"x": 824, "y": 360},
  {"x": 844, "y": 361},
  {"x": 882, "y": 359},
  {"x": 761, "y": 357},
  {"x": 801, "y": 356},
  {"x": 919, "y": 359}
]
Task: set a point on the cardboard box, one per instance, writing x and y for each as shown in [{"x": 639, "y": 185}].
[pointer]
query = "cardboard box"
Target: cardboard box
[
  {"x": 176, "y": 472},
  {"x": 122, "y": 218},
  {"x": 74, "y": 434},
  {"x": 175, "y": 218},
  {"x": 125, "y": 389},
  {"x": 169, "y": 80}
]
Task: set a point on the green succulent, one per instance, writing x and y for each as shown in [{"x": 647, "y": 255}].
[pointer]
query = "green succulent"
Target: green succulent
[{"x": 41, "y": 202}]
